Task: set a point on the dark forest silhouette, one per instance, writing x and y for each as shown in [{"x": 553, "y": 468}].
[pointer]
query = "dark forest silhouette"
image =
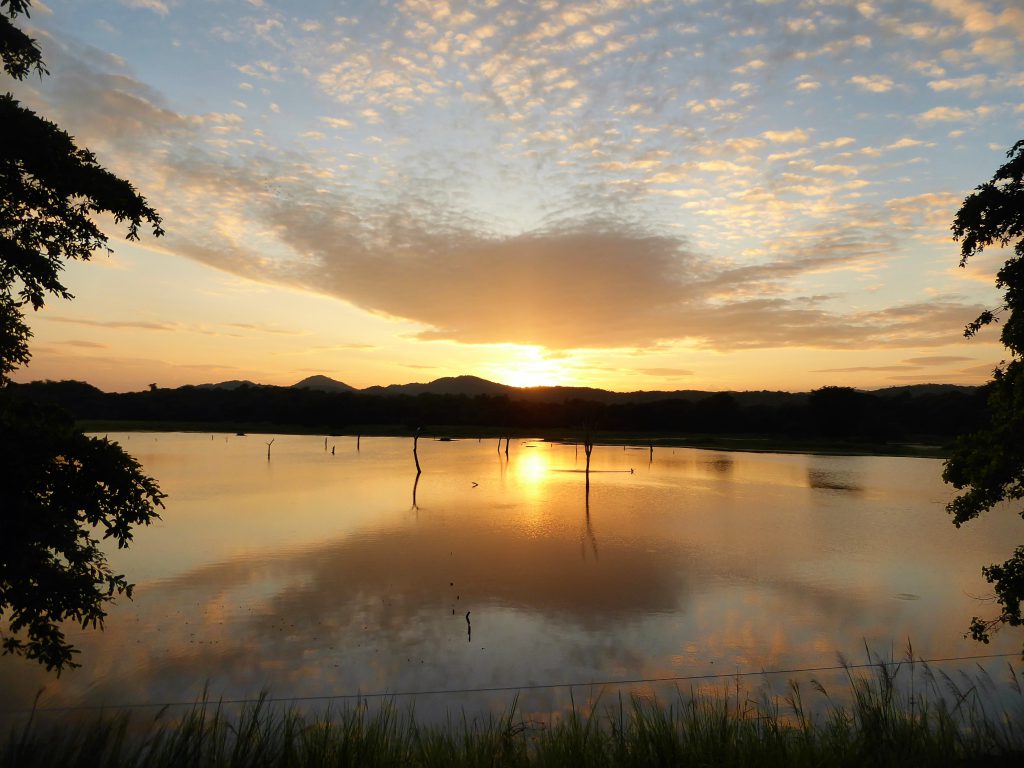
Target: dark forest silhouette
[{"x": 833, "y": 413}]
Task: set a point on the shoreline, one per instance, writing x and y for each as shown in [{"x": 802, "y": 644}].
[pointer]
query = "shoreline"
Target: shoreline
[{"x": 741, "y": 443}]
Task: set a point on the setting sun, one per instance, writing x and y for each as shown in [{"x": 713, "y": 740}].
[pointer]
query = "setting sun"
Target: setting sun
[{"x": 531, "y": 370}]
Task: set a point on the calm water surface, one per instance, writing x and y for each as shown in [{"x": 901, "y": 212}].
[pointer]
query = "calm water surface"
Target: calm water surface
[{"x": 321, "y": 574}]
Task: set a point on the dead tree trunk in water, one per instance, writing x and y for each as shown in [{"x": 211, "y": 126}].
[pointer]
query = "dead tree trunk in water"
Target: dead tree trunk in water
[
  {"x": 268, "y": 447},
  {"x": 588, "y": 446},
  {"x": 358, "y": 438},
  {"x": 506, "y": 447},
  {"x": 415, "y": 455}
]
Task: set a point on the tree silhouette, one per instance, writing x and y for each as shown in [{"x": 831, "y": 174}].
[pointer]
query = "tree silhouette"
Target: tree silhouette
[
  {"x": 61, "y": 489},
  {"x": 988, "y": 465}
]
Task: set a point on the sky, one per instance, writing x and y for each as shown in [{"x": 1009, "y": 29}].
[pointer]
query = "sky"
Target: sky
[{"x": 701, "y": 194}]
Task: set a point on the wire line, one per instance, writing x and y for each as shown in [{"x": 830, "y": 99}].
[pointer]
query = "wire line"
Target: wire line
[{"x": 506, "y": 688}]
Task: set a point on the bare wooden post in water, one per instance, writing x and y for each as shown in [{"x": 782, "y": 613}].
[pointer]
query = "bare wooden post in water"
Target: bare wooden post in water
[{"x": 588, "y": 446}]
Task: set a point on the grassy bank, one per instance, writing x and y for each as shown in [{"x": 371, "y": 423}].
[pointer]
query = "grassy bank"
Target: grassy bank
[
  {"x": 755, "y": 443},
  {"x": 934, "y": 722}
]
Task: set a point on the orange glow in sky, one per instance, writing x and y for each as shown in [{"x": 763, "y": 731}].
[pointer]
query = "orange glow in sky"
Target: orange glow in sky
[{"x": 628, "y": 195}]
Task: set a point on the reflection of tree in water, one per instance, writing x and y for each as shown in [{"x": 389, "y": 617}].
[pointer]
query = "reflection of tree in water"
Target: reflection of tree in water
[
  {"x": 832, "y": 481},
  {"x": 723, "y": 464},
  {"x": 588, "y": 531},
  {"x": 348, "y": 612}
]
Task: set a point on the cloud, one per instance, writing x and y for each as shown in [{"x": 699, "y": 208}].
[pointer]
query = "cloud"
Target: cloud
[
  {"x": 996, "y": 49},
  {"x": 938, "y": 360},
  {"x": 842, "y": 141},
  {"x": 147, "y": 325},
  {"x": 398, "y": 231},
  {"x": 595, "y": 284},
  {"x": 142, "y": 325},
  {"x": 985, "y": 369},
  {"x": 98, "y": 99},
  {"x": 974, "y": 83},
  {"x": 586, "y": 284},
  {"x": 845, "y": 170},
  {"x": 945, "y": 115},
  {"x": 904, "y": 143},
  {"x": 83, "y": 344},
  {"x": 977, "y": 18},
  {"x": 867, "y": 9},
  {"x": 963, "y": 378},
  {"x": 552, "y": 288},
  {"x": 156, "y": 6},
  {"x": 873, "y": 83},
  {"x": 794, "y": 136},
  {"x": 867, "y": 369},
  {"x": 932, "y": 208},
  {"x": 909, "y": 364}
]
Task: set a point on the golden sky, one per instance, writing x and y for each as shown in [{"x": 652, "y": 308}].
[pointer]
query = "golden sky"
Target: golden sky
[{"x": 630, "y": 195}]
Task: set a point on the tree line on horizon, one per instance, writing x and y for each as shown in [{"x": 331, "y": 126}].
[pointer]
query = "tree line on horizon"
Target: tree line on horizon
[{"x": 838, "y": 413}]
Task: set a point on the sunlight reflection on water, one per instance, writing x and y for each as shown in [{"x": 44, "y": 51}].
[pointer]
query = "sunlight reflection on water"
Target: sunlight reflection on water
[{"x": 315, "y": 574}]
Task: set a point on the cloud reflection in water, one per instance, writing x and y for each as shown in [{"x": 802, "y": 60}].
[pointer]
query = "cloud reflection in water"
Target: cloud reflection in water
[{"x": 694, "y": 563}]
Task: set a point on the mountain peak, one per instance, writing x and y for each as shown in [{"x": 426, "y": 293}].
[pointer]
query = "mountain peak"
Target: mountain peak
[
  {"x": 446, "y": 385},
  {"x": 322, "y": 383},
  {"x": 232, "y": 384}
]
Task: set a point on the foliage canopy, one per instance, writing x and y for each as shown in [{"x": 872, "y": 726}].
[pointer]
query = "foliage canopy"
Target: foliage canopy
[
  {"x": 62, "y": 489},
  {"x": 988, "y": 465}
]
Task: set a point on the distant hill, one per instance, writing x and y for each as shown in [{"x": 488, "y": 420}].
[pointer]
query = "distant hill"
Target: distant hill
[
  {"x": 233, "y": 384},
  {"x": 472, "y": 386},
  {"x": 923, "y": 389},
  {"x": 565, "y": 394},
  {"x": 322, "y": 383},
  {"x": 448, "y": 385},
  {"x": 931, "y": 414}
]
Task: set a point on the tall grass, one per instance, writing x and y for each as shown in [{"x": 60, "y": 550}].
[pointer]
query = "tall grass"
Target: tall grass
[{"x": 903, "y": 714}]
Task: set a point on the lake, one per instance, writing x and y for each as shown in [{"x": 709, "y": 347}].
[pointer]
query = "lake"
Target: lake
[{"x": 331, "y": 572}]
